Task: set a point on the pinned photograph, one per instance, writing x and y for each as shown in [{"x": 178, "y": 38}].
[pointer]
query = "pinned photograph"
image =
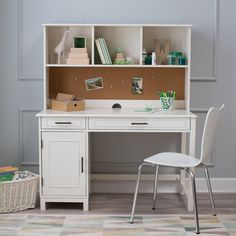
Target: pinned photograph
[
  {"x": 94, "y": 84},
  {"x": 137, "y": 86}
]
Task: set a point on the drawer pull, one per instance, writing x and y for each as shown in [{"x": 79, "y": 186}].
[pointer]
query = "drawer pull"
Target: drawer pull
[
  {"x": 63, "y": 123},
  {"x": 139, "y": 123},
  {"x": 82, "y": 165}
]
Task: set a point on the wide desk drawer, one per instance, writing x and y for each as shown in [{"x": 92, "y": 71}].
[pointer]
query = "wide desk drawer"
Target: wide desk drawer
[
  {"x": 63, "y": 122},
  {"x": 139, "y": 123}
]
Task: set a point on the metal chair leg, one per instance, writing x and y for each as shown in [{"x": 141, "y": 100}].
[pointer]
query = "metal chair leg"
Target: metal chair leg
[
  {"x": 155, "y": 189},
  {"x": 136, "y": 193},
  {"x": 210, "y": 190},
  {"x": 195, "y": 200}
]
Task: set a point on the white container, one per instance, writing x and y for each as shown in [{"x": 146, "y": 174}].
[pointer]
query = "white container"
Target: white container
[
  {"x": 167, "y": 103},
  {"x": 154, "y": 58}
]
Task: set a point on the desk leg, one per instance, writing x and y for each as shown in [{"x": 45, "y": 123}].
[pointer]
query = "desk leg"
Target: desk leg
[
  {"x": 182, "y": 172},
  {"x": 192, "y": 141}
]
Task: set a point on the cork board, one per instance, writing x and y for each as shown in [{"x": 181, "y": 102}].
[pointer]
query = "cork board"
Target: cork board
[{"x": 117, "y": 82}]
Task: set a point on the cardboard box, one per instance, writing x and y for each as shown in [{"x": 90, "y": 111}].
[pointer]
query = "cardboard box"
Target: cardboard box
[
  {"x": 77, "y": 105},
  {"x": 64, "y": 97}
]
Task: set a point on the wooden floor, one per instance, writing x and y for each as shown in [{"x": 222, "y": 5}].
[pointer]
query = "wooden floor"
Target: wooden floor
[{"x": 167, "y": 203}]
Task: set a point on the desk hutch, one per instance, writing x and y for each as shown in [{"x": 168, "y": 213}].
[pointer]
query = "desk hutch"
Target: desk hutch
[{"x": 64, "y": 136}]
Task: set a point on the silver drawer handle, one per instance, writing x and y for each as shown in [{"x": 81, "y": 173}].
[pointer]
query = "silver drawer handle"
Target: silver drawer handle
[
  {"x": 139, "y": 123},
  {"x": 63, "y": 123}
]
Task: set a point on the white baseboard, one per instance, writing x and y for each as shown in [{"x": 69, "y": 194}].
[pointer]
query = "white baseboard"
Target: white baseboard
[{"x": 220, "y": 185}]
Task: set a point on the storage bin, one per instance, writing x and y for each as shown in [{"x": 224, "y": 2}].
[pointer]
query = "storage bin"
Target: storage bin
[
  {"x": 77, "y": 105},
  {"x": 18, "y": 195}
]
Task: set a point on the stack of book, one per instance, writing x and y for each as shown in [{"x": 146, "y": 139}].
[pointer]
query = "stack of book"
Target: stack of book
[
  {"x": 78, "y": 56},
  {"x": 7, "y": 173},
  {"x": 103, "y": 51}
]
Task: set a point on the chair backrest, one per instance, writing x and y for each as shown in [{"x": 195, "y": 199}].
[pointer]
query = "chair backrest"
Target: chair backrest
[{"x": 208, "y": 136}]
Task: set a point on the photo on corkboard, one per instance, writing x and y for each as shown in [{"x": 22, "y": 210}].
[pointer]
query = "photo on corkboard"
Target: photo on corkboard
[
  {"x": 94, "y": 84},
  {"x": 137, "y": 86}
]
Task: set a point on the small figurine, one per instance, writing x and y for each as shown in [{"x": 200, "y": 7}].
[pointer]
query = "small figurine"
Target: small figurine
[
  {"x": 120, "y": 59},
  {"x": 60, "y": 48}
]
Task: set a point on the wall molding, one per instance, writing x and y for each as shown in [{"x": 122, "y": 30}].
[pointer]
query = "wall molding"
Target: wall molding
[
  {"x": 23, "y": 77},
  {"x": 21, "y": 161},
  {"x": 215, "y": 49}
]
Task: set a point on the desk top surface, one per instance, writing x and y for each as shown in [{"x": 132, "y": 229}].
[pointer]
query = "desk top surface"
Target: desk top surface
[{"x": 123, "y": 112}]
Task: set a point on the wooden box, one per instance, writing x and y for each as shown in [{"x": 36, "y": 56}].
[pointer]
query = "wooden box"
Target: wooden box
[{"x": 68, "y": 105}]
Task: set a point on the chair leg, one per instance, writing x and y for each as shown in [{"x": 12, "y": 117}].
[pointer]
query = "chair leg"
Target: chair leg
[
  {"x": 195, "y": 200},
  {"x": 155, "y": 189},
  {"x": 136, "y": 193},
  {"x": 210, "y": 190}
]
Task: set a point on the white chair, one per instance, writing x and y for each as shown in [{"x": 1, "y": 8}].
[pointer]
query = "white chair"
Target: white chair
[{"x": 185, "y": 162}]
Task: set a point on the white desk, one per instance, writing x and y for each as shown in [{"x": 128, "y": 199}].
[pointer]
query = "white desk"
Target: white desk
[{"x": 64, "y": 146}]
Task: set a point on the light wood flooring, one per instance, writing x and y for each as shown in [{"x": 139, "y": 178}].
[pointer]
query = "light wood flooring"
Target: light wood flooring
[{"x": 167, "y": 203}]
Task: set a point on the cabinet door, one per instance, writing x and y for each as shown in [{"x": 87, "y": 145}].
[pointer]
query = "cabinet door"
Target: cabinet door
[{"x": 63, "y": 163}]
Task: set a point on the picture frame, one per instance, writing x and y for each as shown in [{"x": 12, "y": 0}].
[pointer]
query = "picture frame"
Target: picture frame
[
  {"x": 79, "y": 42},
  {"x": 137, "y": 86},
  {"x": 94, "y": 84}
]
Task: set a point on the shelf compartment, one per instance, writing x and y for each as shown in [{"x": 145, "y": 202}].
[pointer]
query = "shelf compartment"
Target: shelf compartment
[
  {"x": 55, "y": 35},
  {"x": 179, "y": 38},
  {"x": 128, "y": 38}
]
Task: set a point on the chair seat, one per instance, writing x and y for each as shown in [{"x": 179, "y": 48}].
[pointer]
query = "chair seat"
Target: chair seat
[{"x": 173, "y": 159}]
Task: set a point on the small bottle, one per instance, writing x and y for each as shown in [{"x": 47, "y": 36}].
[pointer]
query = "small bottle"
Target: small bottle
[
  {"x": 154, "y": 58},
  {"x": 144, "y": 55}
]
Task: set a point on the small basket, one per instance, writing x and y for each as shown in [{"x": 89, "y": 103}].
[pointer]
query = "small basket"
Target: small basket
[
  {"x": 167, "y": 103},
  {"x": 18, "y": 195}
]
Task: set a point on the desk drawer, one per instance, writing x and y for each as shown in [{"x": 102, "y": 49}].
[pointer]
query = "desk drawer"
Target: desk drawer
[
  {"x": 139, "y": 123},
  {"x": 63, "y": 123}
]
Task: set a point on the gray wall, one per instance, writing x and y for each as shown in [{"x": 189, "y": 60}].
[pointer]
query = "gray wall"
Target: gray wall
[{"x": 21, "y": 85}]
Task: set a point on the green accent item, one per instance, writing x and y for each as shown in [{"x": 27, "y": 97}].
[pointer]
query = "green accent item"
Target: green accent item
[
  {"x": 181, "y": 60},
  {"x": 80, "y": 42},
  {"x": 119, "y": 50},
  {"x": 6, "y": 178},
  {"x": 167, "y": 103},
  {"x": 148, "y": 59},
  {"x": 167, "y": 100},
  {"x": 171, "y": 59},
  {"x": 176, "y": 53}
]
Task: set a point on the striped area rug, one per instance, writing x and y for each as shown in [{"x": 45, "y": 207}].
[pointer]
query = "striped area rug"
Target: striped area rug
[{"x": 105, "y": 225}]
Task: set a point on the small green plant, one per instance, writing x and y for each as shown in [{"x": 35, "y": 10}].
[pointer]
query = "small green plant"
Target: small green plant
[
  {"x": 169, "y": 94},
  {"x": 167, "y": 100}
]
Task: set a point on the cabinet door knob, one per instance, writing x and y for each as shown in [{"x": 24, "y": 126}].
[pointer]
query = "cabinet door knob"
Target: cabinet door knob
[{"x": 82, "y": 165}]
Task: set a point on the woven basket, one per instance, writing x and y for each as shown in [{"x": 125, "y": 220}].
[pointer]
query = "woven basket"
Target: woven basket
[{"x": 18, "y": 195}]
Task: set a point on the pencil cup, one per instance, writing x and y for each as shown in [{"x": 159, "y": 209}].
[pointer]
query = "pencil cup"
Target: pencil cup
[{"x": 167, "y": 103}]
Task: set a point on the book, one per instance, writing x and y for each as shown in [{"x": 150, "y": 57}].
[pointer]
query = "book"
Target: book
[
  {"x": 6, "y": 178},
  {"x": 7, "y": 173},
  {"x": 8, "y": 169},
  {"x": 105, "y": 50},
  {"x": 100, "y": 51}
]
